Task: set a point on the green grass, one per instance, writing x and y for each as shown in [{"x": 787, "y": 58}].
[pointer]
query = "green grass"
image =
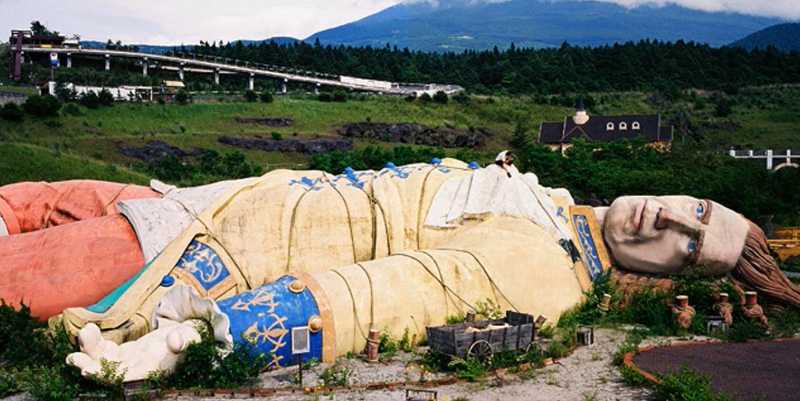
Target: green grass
[
  {"x": 21, "y": 162},
  {"x": 770, "y": 121}
]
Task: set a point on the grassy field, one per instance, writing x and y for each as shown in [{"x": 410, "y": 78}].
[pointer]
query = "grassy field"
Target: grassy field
[
  {"x": 97, "y": 134},
  {"x": 21, "y": 162}
]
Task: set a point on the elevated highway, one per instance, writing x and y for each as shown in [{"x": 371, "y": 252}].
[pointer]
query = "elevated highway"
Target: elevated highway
[{"x": 189, "y": 62}]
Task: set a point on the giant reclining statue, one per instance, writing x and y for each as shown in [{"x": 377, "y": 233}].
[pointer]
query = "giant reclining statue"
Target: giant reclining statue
[{"x": 395, "y": 249}]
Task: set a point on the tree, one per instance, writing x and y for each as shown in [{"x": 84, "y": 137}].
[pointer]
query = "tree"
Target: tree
[
  {"x": 440, "y": 97},
  {"x": 106, "y": 98},
  {"x": 339, "y": 96},
  {"x": 42, "y": 106},
  {"x": 90, "y": 100},
  {"x": 38, "y": 29}
]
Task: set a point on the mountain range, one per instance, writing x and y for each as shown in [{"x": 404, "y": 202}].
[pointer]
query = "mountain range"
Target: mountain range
[
  {"x": 784, "y": 37},
  {"x": 455, "y": 25}
]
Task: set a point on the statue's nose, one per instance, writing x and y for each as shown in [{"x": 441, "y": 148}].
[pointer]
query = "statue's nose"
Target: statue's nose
[{"x": 666, "y": 218}]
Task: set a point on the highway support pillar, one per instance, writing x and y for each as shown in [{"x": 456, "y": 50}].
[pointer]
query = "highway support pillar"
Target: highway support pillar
[
  {"x": 180, "y": 71},
  {"x": 144, "y": 66},
  {"x": 216, "y": 76},
  {"x": 251, "y": 81},
  {"x": 69, "y": 60},
  {"x": 283, "y": 86},
  {"x": 108, "y": 62},
  {"x": 316, "y": 89}
]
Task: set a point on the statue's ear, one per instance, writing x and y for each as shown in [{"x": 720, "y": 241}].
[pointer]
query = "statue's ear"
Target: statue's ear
[{"x": 600, "y": 213}]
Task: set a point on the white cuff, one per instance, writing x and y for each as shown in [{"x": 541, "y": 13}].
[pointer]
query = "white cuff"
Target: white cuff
[{"x": 3, "y": 228}]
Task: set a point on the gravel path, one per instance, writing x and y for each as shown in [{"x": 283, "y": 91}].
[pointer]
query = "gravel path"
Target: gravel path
[{"x": 587, "y": 374}]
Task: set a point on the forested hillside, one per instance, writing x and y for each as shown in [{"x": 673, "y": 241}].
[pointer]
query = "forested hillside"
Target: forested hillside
[{"x": 645, "y": 65}]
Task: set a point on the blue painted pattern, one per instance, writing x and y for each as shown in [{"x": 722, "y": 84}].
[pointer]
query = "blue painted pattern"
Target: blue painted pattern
[
  {"x": 203, "y": 264},
  {"x": 265, "y": 317},
  {"x": 311, "y": 185},
  {"x": 588, "y": 245}
]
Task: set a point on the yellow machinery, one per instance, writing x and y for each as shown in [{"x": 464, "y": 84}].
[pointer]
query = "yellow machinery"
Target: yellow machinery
[{"x": 787, "y": 245}]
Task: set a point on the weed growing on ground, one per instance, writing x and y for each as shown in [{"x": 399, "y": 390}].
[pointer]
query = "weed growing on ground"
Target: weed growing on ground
[
  {"x": 336, "y": 376},
  {"x": 488, "y": 309},
  {"x": 686, "y": 384}
]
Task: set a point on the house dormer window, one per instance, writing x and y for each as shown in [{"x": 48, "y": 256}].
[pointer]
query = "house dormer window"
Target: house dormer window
[
  {"x": 636, "y": 125},
  {"x": 610, "y": 127},
  {"x": 623, "y": 126}
]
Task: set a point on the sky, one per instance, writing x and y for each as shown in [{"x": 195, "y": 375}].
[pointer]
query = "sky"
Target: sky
[{"x": 172, "y": 22}]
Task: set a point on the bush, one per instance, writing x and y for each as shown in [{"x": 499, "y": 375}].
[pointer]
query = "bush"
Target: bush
[
  {"x": 687, "y": 384},
  {"x": 440, "y": 97},
  {"x": 51, "y": 384},
  {"x": 42, "y": 106},
  {"x": 90, "y": 100},
  {"x": 250, "y": 96},
  {"x": 106, "y": 98},
  {"x": 182, "y": 97},
  {"x": 266, "y": 97},
  {"x": 339, "y": 96},
  {"x": 277, "y": 136},
  {"x": 462, "y": 97},
  {"x": 723, "y": 108},
  {"x": 425, "y": 98},
  {"x": 336, "y": 376},
  {"x": 324, "y": 97},
  {"x": 205, "y": 365},
  {"x": 12, "y": 112}
]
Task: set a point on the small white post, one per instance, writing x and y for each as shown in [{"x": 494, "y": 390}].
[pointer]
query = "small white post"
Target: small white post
[{"x": 769, "y": 160}]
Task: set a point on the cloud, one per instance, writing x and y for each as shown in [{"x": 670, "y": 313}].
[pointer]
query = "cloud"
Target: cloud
[
  {"x": 785, "y": 9},
  {"x": 186, "y": 21}
]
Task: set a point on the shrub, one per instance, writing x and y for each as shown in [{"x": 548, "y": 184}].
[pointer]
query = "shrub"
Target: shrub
[
  {"x": 51, "y": 384},
  {"x": 462, "y": 97},
  {"x": 11, "y": 381},
  {"x": 266, "y": 97},
  {"x": 106, "y": 98},
  {"x": 182, "y": 97},
  {"x": 425, "y": 98},
  {"x": 277, "y": 136},
  {"x": 687, "y": 384},
  {"x": 488, "y": 309},
  {"x": 339, "y": 96},
  {"x": 557, "y": 349},
  {"x": 440, "y": 97},
  {"x": 723, "y": 108},
  {"x": 42, "y": 106},
  {"x": 90, "y": 100},
  {"x": 12, "y": 112},
  {"x": 250, "y": 96},
  {"x": 324, "y": 97}
]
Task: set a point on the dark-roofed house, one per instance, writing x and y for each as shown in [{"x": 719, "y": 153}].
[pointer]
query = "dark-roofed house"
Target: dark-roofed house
[{"x": 559, "y": 135}]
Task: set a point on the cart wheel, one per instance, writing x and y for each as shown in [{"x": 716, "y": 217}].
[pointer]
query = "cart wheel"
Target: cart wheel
[
  {"x": 480, "y": 349},
  {"x": 533, "y": 346}
]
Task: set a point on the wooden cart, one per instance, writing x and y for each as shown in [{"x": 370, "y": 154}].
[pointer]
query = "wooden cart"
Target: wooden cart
[{"x": 455, "y": 341}]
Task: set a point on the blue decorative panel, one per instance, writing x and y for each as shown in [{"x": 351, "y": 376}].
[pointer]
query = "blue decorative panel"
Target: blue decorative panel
[
  {"x": 203, "y": 264},
  {"x": 588, "y": 245},
  {"x": 313, "y": 185},
  {"x": 265, "y": 317}
]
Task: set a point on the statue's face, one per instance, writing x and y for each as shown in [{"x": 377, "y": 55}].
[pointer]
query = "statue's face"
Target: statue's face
[{"x": 663, "y": 234}]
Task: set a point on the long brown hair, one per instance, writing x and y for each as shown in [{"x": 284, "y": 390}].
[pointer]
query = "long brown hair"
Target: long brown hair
[{"x": 757, "y": 269}]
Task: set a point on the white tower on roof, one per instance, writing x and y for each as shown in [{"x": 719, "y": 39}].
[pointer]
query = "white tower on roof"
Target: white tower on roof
[{"x": 580, "y": 117}]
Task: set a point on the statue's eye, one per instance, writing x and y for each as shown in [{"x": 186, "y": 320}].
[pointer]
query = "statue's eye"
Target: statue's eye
[
  {"x": 692, "y": 246},
  {"x": 701, "y": 211}
]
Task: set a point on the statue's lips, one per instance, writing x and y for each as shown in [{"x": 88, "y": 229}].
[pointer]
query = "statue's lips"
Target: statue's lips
[{"x": 638, "y": 217}]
